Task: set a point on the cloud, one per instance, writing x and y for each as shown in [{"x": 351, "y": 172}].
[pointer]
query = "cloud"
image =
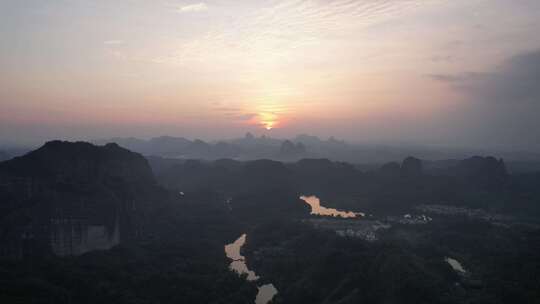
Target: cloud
[
  {"x": 264, "y": 34},
  {"x": 195, "y": 7},
  {"x": 227, "y": 109},
  {"x": 516, "y": 80},
  {"x": 445, "y": 78},
  {"x": 234, "y": 113},
  {"x": 244, "y": 117},
  {"x": 502, "y": 105},
  {"x": 462, "y": 82}
]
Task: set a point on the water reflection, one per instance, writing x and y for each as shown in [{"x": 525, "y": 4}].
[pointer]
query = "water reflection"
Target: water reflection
[
  {"x": 239, "y": 261},
  {"x": 238, "y": 264},
  {"x": 316, "y": 208},
  {"x": 455, "y": 264},
  {"x": 266, "y": 294}
]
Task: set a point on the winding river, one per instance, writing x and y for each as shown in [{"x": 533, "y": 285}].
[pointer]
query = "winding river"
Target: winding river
[
  {"x": 318, "y": 209},
  {"x": 238, "y": 262},
  {"x": 266, "y": 292}
]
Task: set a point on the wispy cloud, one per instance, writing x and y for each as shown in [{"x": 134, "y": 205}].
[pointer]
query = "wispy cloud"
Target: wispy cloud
[
  {"x": 266, "y": 35},
  {"x": 195, "y": 7},
  {"x": 502, "y": 103},
  {"x": 243, "y": 117},
  {"x": 454, "y": 79},
  {"x": 234, "y": 113}
]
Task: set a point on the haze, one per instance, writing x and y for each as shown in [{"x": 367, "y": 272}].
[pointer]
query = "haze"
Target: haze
[{"x": 460, "y": 72}]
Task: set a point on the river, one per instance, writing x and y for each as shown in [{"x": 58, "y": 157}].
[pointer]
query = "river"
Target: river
[
  {"x": 266, "y": 292},
  {"x": 318, "y": 209},
  {"x": 233, "y": 250},
  {"x": 456, "y": 265}
]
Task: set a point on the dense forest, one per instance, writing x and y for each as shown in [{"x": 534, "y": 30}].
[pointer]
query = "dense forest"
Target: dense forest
[{"x": 173, "y": 218}]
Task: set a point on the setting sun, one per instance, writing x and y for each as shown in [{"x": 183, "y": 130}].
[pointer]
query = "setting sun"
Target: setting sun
[
  {"x": 253, "y": 144},
  {"x": 268, "y": 120}
]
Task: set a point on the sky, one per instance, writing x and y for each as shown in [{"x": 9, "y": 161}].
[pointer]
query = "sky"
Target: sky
[{"x": 454, "y": 73}]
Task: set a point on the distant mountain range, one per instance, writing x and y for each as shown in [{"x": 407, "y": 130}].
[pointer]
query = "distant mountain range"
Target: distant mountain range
[
  {"x": 246, "y": 148},
  {"x": 251, "y": 147},
  {"x": 69, "y": 198}
]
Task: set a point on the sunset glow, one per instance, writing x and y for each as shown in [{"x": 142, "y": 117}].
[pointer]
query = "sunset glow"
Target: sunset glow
[
  {"x": 268, "y": 120},
  {"x": 147, "y": 145},
  {"x": 359, "y": 70}
]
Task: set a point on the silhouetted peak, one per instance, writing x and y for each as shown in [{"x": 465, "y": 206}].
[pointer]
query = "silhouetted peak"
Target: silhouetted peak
[
  {"x": 81, "y": 161},
  {"x": 308, "y": 139},
  {"x": 199, "y": 142},
  {"x": 60, "y": 144},
  {"x": 485, "y": 171},
  {"x": 53, "y": 143},
  {"x": 199, "y": 148},
  {"x": 249, "y": 136},
  {"x": 334, "y": 141},
  {"x": 390, "y": 169},
  {"x": 112, "y": 146},
  {"x": 289, "y": 149},
  {"x": 411, "y": 167},
  {"x": 479, "y": 163},
  {"x": 75, "y": 150},
  {"x": 164, "y": 145},
  {"x": 168, "y": 138}
]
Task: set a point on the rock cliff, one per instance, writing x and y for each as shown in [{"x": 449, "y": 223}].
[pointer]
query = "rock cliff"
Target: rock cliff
[{"x": 69, "y": 198}]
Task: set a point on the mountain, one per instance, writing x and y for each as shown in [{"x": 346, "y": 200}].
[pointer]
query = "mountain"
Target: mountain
[
  {"x": 411, "y": 167},
  {"x": 392, "y": 188},
  {"x": 486, "y": 172},
  {"x": 163, "y": 145},
  {"x": 252, "y": 147},
  {"x": 290, "y": 150},
  {"x": 308, "y": 139},
  {"x": 167, "y": 145},
  {"x": 177, "y": 147},
  {"x": 391, "y": 169},
  {"x": 4, "y": 156},
  {"x": 69, "y": 198}
]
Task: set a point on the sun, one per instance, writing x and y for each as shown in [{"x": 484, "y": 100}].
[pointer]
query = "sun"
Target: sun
[{"x": 268, "y": 120}]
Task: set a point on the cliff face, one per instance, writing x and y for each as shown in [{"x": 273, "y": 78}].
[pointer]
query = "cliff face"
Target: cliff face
[{"x": 69, "y": 198}]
